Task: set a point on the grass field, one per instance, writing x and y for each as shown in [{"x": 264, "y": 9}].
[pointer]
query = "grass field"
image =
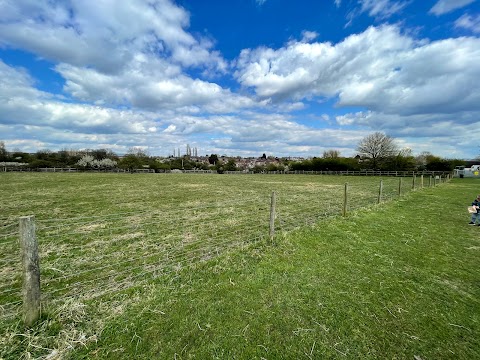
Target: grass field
[{"x": 174, "y": 266}]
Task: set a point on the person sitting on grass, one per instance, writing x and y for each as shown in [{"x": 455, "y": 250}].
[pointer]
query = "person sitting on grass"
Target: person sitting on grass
[{"x": 475, "y": 215}]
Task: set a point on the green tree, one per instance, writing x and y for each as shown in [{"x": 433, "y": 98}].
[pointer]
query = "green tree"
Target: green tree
[
  {"x": 65, "y": 157},
  {"x": 305, "y": 165},
  {"x": 19, "y": 156},
  {"x": 3, "y": 152},
  {"x": 422, "y": 160},
  {"x": 39, "y": 163},
  {"x": 230, "y": 165},
  {"x": 162, "y": 167},
  {"x": 219, "y": 166},
  {"x": 43, "y": 158},
  {"x": 213, "y": 159},
  {"x": 438, "y": 164},
  {"x": 201, "y": 166},
  {"x": 130, "y": 162},
  {"x": 258, "y": 169},
  {"x": 274, "y": 167},
  {"x": 403, "y": 161},
  {"x": 100, "y": 154}
]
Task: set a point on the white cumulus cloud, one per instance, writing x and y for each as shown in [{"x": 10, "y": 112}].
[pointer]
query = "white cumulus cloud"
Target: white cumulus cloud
[
  {"x": 152, "y": 84},
  {"x": 379, "y": 69},
  {"x": 22, "y": 104},
  {"x": 104, "y": 34}
]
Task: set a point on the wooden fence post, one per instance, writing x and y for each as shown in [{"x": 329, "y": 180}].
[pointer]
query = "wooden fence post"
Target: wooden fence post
[
  {"x": 380, "y": 191},
  {"x": 345, "y": 200},
  {"x": 31, "y": 270},
  {"x": 400, "y": 186},
  {"x": 272, "y": 216},
  {"x": 421, "y": 181},
  {"x": 413, "y": 181}
]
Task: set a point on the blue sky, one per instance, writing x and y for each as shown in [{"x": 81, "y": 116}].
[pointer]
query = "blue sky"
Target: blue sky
[{"x": 240, "y": 77}]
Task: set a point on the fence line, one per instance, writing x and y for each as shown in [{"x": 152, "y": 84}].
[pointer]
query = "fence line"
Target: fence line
[
  {"x": 127, "y": 281},
  {"x": 248, "y": 172},
  {"x": 179, "y": 208},
  {"x": 98, "y": 255},
  {"x": 161, "y": 265}
]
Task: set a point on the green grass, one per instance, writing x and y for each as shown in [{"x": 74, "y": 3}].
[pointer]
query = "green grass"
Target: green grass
[
  {"x": 392, "y": 281},
  {"x": 57, "y": 195}
]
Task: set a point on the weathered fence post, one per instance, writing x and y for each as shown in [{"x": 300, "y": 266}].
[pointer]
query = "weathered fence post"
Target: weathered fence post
[
  {"x": 413, "y": 181},
  {"x": 421, "y": 181},
  {"x": 31, "y": 270},
  {"x": 399, "y": 186},
  {"x": 272, "y": 216},
  {"x": 380, "y": 191},
  {"x": 345, "y": 200}
]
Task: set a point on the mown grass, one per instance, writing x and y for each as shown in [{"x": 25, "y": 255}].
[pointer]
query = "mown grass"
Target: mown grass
[{"x": 391, "y": 281}]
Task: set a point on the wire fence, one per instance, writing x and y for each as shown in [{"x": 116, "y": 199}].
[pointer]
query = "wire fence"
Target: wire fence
[
  {"x": 90, "y": 257},
  {"x": 365, "y": 172}
]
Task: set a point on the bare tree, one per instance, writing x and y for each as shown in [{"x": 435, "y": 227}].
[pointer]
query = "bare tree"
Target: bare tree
[
  {"x": 139, "y": 152},
  {"x": 331, "y": 154},
  {"x": 377, "y": 147}
]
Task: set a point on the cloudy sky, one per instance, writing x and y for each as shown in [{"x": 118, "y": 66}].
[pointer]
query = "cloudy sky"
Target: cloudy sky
[{"x": 240, "y": 77}]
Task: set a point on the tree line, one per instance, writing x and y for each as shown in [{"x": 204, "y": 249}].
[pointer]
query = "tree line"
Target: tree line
[
  {"x": 99, "y": 159},
  {"x": 378, "y": 151},
  {"x": 374, "y": 152}
]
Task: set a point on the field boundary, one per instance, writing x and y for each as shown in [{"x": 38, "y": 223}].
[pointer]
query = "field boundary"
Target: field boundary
[
  {"x": 89, "y": 257},
  {"x": 426, "y": 174}
]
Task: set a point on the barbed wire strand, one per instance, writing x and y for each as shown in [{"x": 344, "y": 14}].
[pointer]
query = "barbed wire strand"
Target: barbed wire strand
[
  {"x": 247, "y": 217},
  {"x": 164, "y": 221},
  {"x": 130, "y": 260},
  {"x": 152, "y": 270},
  {"x": 129, "y": 270},
  {"x": 178, "y": 208}
]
